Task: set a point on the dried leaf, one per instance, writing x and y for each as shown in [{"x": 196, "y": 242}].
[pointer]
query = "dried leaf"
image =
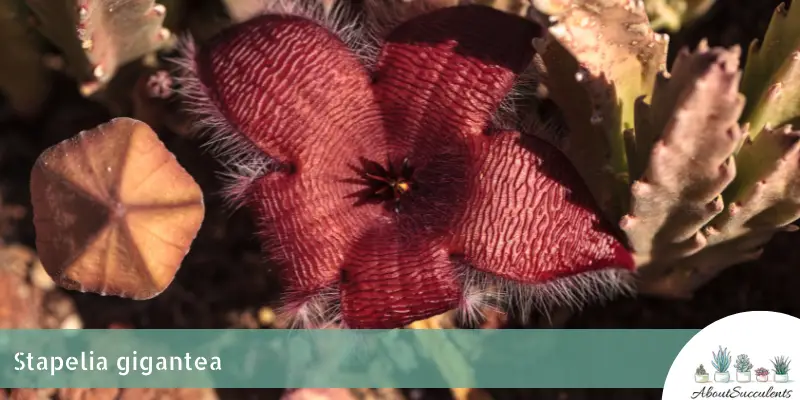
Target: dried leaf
[{"x": 114, "y": 211}]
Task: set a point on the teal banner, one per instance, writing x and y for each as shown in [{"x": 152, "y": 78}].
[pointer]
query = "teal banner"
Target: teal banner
[{"x": 338, "y": 358}]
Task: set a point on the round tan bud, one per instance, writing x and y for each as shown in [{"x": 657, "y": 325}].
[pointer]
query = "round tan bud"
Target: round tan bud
[{"x": 114, "y": 212}]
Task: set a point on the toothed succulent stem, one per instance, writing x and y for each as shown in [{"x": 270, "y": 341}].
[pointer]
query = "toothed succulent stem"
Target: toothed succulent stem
[
  {"x": 713, "y": 178},
  {"x": 771, "y": 78},
  {"x": 99, "y": 36},
  {"x": 769, "y": 192},
  {"x": 693, "y": 120},
  {"x": 600, "y": 57}
]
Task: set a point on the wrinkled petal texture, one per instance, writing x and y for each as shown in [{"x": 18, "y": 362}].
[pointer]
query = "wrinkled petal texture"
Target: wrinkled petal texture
[
  {"x": 529, "y": 217},
  {"x": 392, "y": 278},
  {"x": 296, "y": 91},
  {"x": 439, "y": 80},
  {"x": 446, "y": 72},
  {"x": 511, "y": 209},
  {"x": 505, "y": 204}
]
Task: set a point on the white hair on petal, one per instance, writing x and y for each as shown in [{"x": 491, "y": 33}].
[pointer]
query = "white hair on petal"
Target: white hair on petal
[
  {"x": 549, "y": 128},
  {"x": 244, "y": 162},
  {"x": 239, "y": 176},
  {"x": 299, "y": 309},
  {"x": 573, "y": 292},
  {"x": 335, "y": 16},
  {"x": 383, "y": 16},
  {"x": 508, "y": 115},
  {"x": 319, "y": 311},
  {"x": 477, "y": 297}
]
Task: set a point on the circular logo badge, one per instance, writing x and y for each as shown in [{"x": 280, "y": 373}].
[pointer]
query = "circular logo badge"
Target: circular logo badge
[{"x": 744, "y": 356}]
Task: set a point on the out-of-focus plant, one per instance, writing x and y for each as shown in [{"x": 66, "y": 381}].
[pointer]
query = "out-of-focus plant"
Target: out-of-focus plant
[
  {"x": 105, "y": 45},
  {"x": 698, "y": 180},
  {"x": 24, "y": 77},
  {"x": 96, "y": 37},
  {"x": 671, "y": 15}
]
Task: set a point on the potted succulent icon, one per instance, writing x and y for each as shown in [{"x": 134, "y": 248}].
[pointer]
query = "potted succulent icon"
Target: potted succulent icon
[
  {"x": 781, "y": 368},
  {"x": 721, "y": 361},
  {"x": 700, "y": 374},
  {"x": 743, "y": 367},
  {"x": 762, "y": 374}
]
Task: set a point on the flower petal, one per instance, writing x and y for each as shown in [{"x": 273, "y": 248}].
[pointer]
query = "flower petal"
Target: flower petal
[
  {"x": 529, "y": 217},
  {"x": 298, "y": 94},
  {"x": 306, "y": 226},
  {"x": 400, "y": 271},
  {"x": 392, "y": 278},
  {"x": 448, "y": 70},
  {"x": 293, "y": 89}
]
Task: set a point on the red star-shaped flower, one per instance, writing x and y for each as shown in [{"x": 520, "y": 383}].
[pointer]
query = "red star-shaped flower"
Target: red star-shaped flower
[{"x": 389, "y": 196}]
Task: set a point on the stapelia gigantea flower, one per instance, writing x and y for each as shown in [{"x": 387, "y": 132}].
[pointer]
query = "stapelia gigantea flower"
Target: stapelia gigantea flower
[{"x": 387, "y": 195}]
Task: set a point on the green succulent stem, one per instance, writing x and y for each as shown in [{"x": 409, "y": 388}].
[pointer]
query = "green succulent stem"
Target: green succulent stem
[
  {"x": 663, "y": 17},
  {"x": 600, "y": 58},
  {"x": 771, "y": 78},
  {"x": 616, "y": 133}
]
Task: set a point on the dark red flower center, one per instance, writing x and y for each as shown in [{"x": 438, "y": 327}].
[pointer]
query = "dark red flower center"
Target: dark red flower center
[{"x": 390, "y": 183}]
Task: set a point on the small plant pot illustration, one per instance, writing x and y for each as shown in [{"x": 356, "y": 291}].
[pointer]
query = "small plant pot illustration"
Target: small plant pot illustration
[
  {"x": 782, "y": 378},
  {"x": 762, "y": 374},
  {"x": 721, "y": 360},
  {"x": 742, "y": 376},
  {"x": 701, "y": 378}
]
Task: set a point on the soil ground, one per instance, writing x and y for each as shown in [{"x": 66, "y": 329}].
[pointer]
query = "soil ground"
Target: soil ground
[{"x": 224, "y": 280}]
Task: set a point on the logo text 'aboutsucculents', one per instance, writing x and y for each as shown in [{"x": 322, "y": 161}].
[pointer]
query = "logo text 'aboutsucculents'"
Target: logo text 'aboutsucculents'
[
  {"x": 730, "y": 362},
  {"x": 741, "y": 392}
]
